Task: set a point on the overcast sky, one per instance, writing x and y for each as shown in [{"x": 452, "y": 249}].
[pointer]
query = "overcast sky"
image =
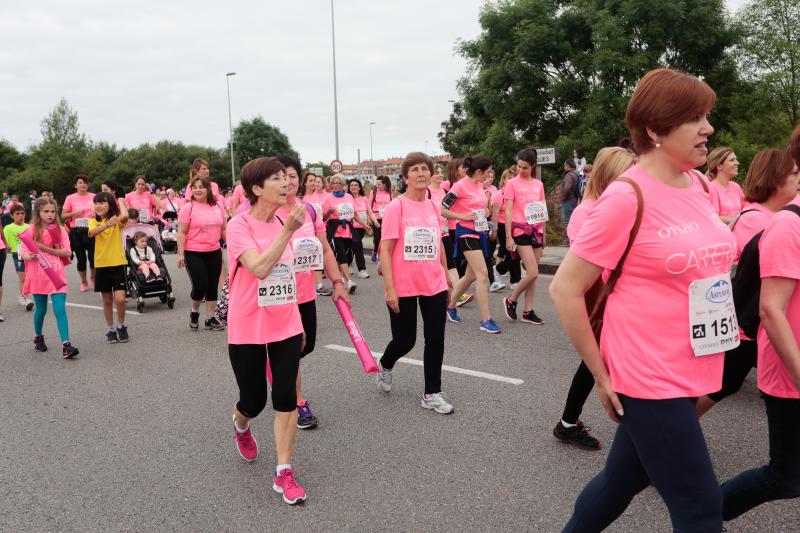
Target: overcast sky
[{"x": 143, "y": 71}]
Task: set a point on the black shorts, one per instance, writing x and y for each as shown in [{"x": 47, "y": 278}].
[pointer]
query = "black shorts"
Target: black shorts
[
  {"x": 526, "y": 240},
  {"x": 110, "y": 279},
  {"x": 343, "y": 248},
  {"x": 467, "y": 244},
  {"x": 447, "y": 242}
]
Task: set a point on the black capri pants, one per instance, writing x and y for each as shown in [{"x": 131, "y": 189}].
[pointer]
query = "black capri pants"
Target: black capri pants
[
  {"x": 204, "y": 269},
  {"x": 3, "y": 254},
  {"x": 447, "y": 242},
  {"x": 249, "y": 363},
  {"x": 308, "y": 315},
  {"x": 82, "y": 246},
  {"x": 343, "y": 250}
]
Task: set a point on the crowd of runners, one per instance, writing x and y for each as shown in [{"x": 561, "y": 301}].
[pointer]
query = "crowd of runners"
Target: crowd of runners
[{"x": 648, "y": 227}]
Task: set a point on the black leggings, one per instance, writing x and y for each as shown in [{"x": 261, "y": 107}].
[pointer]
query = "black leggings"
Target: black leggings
[
  {"x": 358, "y": 248},
  {"x": 249, "y": 363},
  {"x": 404, "y": 335},
  {"x": 308, "y": 315},
  {"x": 203, "y": 269},
  {"x": 3, "y": 254},
  {"x": 376, "y": 237},
  {"x": 490, "y": 259},
  {"x": 579, "y": 390},
  {"x": 447, "y": 242},
  {"x": 82, "y": 246},
  {"x": 738, "y": 363},
  {"x": 508, "y": 264}
]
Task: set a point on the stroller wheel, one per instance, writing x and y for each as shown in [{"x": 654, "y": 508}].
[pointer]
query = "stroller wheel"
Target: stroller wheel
[
  {"x": 140, "y": 304},
  {"x": 163, "y": 298},
  {"x": 171, "y": 300}
]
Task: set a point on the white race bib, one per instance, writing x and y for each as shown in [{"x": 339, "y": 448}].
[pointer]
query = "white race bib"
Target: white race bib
[
  {"x": 346, "y": 211},
  {"x": 278, "y": 288},
  {"x": 144, "y": 215},
  {"x": 81, "y": 222},
  {"x": 481, "y": 224},
  {"x": 536, "y": 213},
  {"x": 712, "y": 317},
  {"x": 381, "y": 211},
  {"x": 421, "y": 244},
  {"x": 307, "y": 254},
  {"x": 363, "y": 216}
]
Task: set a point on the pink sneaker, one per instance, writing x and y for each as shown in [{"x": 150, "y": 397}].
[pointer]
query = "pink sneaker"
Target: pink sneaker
[
  {"x": 287, "y": 485},
  {"x": 246, "y": 444},
  {"x": 84, "y": 286}
]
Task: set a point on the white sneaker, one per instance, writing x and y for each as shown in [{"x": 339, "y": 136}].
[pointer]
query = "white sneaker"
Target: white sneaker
[
  {"x": 497, "y": 286},
  {"x": 351, "y": 286},
  {"x": 22, "y": 301},
  {"x": 384, "y": 379},
  {"x": 437, "y": 403},
  {"x": 497, "y": 275},
  {"x": 362, "y": 274}
]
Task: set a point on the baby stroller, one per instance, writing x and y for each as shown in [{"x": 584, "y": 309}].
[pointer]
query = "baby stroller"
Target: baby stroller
[
  {"x": 169, "y": 231},
  {"x": 138, "y": 287}
]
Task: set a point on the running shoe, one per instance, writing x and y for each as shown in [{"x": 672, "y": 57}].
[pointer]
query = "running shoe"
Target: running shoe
[
  {"x": 497, "y": 275},
  {"x": 38, "y": 343},
  {"x": 437, "y": 403},
  {"x": 122, "y": 334},
  {"x": 29, "y": 304},
  {"x": 194, "y": 319},
  {"x": 351, "y": 286},
  {"x": 490, "y": 326},
  {"x": 322, "y": 291},
  {"x": 374, "y": 256},
  {"x": 384, "y": 379},
  {"x": 452, "y": 315},
  {"x": 286, "y": 484},
  {"x": 577, "y": 435},
  {"x": 497, "y": 285},
  {"x": 111, "y": 337},
  {"x": 2, "y": 317},
  {"x": 22, "y": 301},
  {"x": 305, "y": 418},
  {"x": 510, "y": 307},
  {"x": 245, "y": 443},
  {"x": 214, "y": 324},
  {"x": 68, "y": 351},
  {"x": 363, "y": 274},
  {"x": 464, "y": 299},
  {"x": 84, "y": 286},
  {"x": 532, "y": 318}
]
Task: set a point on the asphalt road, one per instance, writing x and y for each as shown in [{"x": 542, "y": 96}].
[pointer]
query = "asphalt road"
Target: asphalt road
[{"x": 137, "y": 436}]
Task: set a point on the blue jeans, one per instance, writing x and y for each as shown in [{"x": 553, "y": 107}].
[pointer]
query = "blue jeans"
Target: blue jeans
[
  {"x": 566, "y": 212},
  {"x": 659, "y": 442},
  {"x": 778, "y": 480}
]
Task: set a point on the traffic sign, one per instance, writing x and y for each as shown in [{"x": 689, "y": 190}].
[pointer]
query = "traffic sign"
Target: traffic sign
[
  {"x": 546, "y": 156},
  {"x": 336, "y": 166}
]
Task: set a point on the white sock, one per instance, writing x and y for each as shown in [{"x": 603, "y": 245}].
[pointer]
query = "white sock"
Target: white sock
[
  {"x": 120, "y": 325},
  {"x": 566, "y": 425},
  {"x": 281, "y": 467},
  {"x": 111, "y": 328},
  {"x": 237, "y": 428}
]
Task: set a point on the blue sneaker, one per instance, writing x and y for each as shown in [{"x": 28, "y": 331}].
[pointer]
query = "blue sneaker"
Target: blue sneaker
[
  {"x": 489, "y": 326},
  {"x": 452, "y": 315}
]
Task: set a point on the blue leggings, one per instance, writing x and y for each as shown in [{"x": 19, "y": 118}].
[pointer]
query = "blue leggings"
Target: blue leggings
[{"x": 59, "y": 309}]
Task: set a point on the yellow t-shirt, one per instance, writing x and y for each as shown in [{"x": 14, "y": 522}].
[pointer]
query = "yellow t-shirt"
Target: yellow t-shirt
[{"x": 108, "y": 249}]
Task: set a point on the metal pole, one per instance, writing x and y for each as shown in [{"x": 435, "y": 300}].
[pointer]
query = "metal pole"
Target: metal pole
[
  {"x": 335, "y": 95},
  {"x": 371, "y": 157},
  {"x": 230, "y": 126}
]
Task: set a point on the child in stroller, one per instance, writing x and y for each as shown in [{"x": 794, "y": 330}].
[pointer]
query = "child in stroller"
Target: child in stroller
[
  {"x": 169, "y": 231},
  {"x": 144, "y": 257},
  {"x": 139, "y": 286}
]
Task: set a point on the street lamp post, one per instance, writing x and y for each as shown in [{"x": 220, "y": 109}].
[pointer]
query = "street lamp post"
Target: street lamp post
[
  {"x": 230, "y": 125},
  {"x": 335, "y": 95},
  {"x": 371, "y": 157}
]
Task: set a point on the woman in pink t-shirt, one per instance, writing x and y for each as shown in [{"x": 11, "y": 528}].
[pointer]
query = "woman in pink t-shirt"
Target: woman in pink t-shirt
[
  {"x": 771, "y": 183},
  {"x": 507, "y": 263},
  {"x": 201, "y": 225},
  {"x": 312, "y": 253},
  {"x": 778, "y": 366},
  {"x": 722, "y": 168},
  {"x": 338, "y": 212},
  {"x": 52, "y": 241},
  {"x": 438, "y": 189},
  {"x": 415, "y": 272},
  {"x": 78, "y": 208},
  {"x": 379, "y": 198},
  {"x": 263, "y": 316},
  {"x": 360, "y": 225},
  {"x": 669, "y": 318},
  {"x": 142, "y": 199},
  {"x": 201, "y": 169},
  {"x": 313, "y": 193}
]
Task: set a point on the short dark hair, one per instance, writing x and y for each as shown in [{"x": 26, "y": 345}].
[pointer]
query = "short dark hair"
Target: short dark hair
[
  {"x": 256, "y": 172},
  {"x": 571, "y": 164},
  {"x": 17, "y": 207},
  {"x": 107, "y": 197},
  {"x": 291, "y": 161},
  {"x": 477, "y": 162},
  {"x": 133, "y": 213},
  {"x": 579, "y": 152},
  {"x": 415, "y": 158},
  {"x": 80, "y": 177},
  {"x": 768, "y": 171},
  {"x": 529, "y": 156}
]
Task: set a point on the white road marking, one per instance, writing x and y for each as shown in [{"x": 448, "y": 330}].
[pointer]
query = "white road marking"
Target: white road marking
[
  {"x": 97, "y": 307},
  {"x": 417, "y": 362}
]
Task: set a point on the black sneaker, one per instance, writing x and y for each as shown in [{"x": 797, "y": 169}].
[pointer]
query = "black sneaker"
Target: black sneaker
[
  {"x": 111, "y": 337},
  {"x": 194, "y": 319},
  {"x": 305, "y": 418},
  {"x": 122, "y": 334},
  {"x": 214, "y": 324},
  {"x": 577, "y": 435},
  {"x": 511, "y": 308},
  {"x": 532, "y": 318},
  {"x": 38, "y": 343},
  {"x": 68, "y": 351}
]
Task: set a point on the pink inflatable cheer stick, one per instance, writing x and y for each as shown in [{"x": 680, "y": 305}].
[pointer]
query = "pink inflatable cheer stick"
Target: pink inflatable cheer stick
[
  {"x": 364, "y": 353},
  {"x": 30, "y": 244},
  {"x": 55, "y": 235}
]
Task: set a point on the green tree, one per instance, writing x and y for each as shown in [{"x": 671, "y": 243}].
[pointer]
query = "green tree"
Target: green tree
[
  {"x": 11, "y": 159},
  {"x": 256, "y": 138}
]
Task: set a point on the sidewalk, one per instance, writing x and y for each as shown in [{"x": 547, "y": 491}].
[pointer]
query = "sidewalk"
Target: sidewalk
[{"x": 551, "y": 258}]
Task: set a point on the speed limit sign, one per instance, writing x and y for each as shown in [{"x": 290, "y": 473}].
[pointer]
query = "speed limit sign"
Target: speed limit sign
[{"x": 336, "y": 166}]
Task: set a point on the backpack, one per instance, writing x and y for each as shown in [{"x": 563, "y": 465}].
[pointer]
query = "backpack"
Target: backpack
[
  {"x": 580, "y": 185},
  {"x": 747, "y": 283}
]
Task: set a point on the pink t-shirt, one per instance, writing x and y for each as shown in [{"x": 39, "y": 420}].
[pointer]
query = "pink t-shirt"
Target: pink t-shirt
[
  {"x": 247, "y": 322},
  {"x": 578, "y": 218},
  {"x": 361, "y": 207},
  {"x": 316, "y": 199},
  {"x": 437, "y": 195},
  {"x": 498, "y": 200},
  {"x": 306, "y": 285},
  {"x": 344, "y": 206},
  {"x": 172, "y": 204},
  {"x": 471, "y": 196},
  {"x": 144, "y": 202},
  {"x": 75, "y": 202},
  {"x": 36, "y": 281},
  {"x": 522, "y": 192},
  {"x": 779, "y": 249},
  {"x": 382, "y": 199},
  {"x": 647, "y": 348},
  {"x": 205, "y": 226},
  {"x": 749, "y": 224},
  {"x": 728, "y": 201},
  {"x": 414, "y": 277},
  {"x": 238, "y": 195}
]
